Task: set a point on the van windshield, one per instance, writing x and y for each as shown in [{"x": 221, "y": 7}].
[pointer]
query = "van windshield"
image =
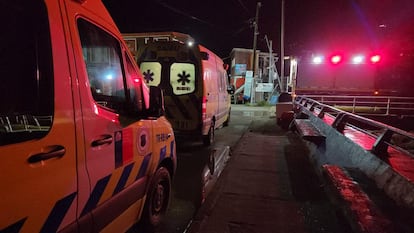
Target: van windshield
[{"x": 26, "y": 90}]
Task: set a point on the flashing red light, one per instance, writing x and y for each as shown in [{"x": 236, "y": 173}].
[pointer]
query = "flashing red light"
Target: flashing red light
[
  {"x": 336, "y": 59},
  {"x": 375, "y": 59}
]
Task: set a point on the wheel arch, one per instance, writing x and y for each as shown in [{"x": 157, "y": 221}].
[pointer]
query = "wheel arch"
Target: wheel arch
[{"x": 169, "y": 164}]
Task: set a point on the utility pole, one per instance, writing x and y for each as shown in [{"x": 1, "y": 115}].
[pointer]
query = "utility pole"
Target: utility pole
[
  {"x": 256, "y": 22},
  {"x": 282, "y": 46},
  {"x": 271, "y": 62}
]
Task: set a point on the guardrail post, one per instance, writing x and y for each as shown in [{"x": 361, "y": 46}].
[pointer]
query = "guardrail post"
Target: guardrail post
[
  {"x": 321, "y": 113},
  {"x": 380, "y": 146},
  {"x": 353, "y": 105},
  {"x": 313, "y": 106},
  {"x": 388, "y": 106},
  {"x": 340, "y": 122},
  {"x": 306, "y": 104}
]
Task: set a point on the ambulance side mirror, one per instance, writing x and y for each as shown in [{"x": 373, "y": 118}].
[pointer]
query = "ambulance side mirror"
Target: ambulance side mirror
[
  {"x": 156, "y": 102},
  {"x": 226, "y": 67}
]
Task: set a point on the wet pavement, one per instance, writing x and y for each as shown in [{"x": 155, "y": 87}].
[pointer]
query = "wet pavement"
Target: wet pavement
[
  {"x": 267, "y": 179},
  {"x": 268, "y": 185}
]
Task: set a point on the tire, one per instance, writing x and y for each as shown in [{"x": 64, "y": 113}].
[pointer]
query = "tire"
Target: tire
[
  {"x": 226, "y": 123},
  {"x": 158, "y": 198},
  {"x": 209, "y": 138}
]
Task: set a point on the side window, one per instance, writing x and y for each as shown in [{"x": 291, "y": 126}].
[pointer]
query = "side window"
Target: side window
[
  {"x": 134, "y": 84},
  {"x": 182, "y": 78},
  {"x": 27, "y": 87},
  {"x": 225, "y": 80},
  {"x": 220, "y": 80},
  {"x": 151, "y": 72},
  {"x": 102, "y": 56}
]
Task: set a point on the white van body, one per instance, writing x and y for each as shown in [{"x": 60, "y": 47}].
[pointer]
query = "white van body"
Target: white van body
[{"x": 194, "y": 80}]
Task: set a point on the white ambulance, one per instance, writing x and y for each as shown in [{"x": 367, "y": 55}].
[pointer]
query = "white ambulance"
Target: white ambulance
[
  {"x": 194, "y": 79},
  {"x": 84, "y": 144}
]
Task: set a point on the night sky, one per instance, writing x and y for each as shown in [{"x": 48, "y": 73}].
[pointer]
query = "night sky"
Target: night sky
[{"x": 222, "y": 25}]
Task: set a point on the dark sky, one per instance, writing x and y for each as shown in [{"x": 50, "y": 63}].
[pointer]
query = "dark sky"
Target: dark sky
[{"x": 222, "y": 25}]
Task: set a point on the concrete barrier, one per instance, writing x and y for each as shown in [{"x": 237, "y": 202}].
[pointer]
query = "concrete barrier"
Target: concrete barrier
[
  {"x": 342, "y": 151},
  {"x": 362, "y": 213}
]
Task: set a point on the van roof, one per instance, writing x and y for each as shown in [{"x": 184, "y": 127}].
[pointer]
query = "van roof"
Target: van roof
[{"x": 177, "y": 36}]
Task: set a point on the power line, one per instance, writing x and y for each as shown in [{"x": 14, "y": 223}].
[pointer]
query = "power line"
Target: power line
[
  {"x": 178, "y": 11},
  {"x": 243, "y": 6},
  {"x": 246, "y": 23}
]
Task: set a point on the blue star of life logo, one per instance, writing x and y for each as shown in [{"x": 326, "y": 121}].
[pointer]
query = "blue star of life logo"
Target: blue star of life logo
[
  {"x": 148, "y": 76},
  {"x": 183, "y": 78}
]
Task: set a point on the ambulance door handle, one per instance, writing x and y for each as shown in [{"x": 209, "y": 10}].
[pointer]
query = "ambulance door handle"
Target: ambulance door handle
[
  {"x": 55, "y": 152},
  {"x": 106, "y": 139}
]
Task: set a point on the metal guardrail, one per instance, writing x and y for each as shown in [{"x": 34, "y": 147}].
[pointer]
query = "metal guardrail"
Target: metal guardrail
[
  {"x": 369, "y": 105},
  {"x": 385, "y": 136}
]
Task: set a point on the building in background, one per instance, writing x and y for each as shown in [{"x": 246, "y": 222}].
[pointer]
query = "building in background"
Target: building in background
[{"x": 242, "y": 77}]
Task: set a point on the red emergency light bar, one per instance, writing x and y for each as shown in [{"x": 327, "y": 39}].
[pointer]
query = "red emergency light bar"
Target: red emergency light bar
[{"x": 355, "y": 59}]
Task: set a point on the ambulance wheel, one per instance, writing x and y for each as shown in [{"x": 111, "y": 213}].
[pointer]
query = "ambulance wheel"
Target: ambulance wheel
[
  {"x": 209, "y": 138},
  {"x": 158, "y": 198},
  {"x": 226, "y": 123}
]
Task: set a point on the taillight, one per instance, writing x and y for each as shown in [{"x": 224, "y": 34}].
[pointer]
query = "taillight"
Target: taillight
[{"x": 204, "y": 108}]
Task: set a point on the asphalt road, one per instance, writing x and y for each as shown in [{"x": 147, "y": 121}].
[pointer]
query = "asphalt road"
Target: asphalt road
[
  {"x": 193, "y": 181},
  {"x": 295, "y": 202},
  {"x": 269, "y": 185}
]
